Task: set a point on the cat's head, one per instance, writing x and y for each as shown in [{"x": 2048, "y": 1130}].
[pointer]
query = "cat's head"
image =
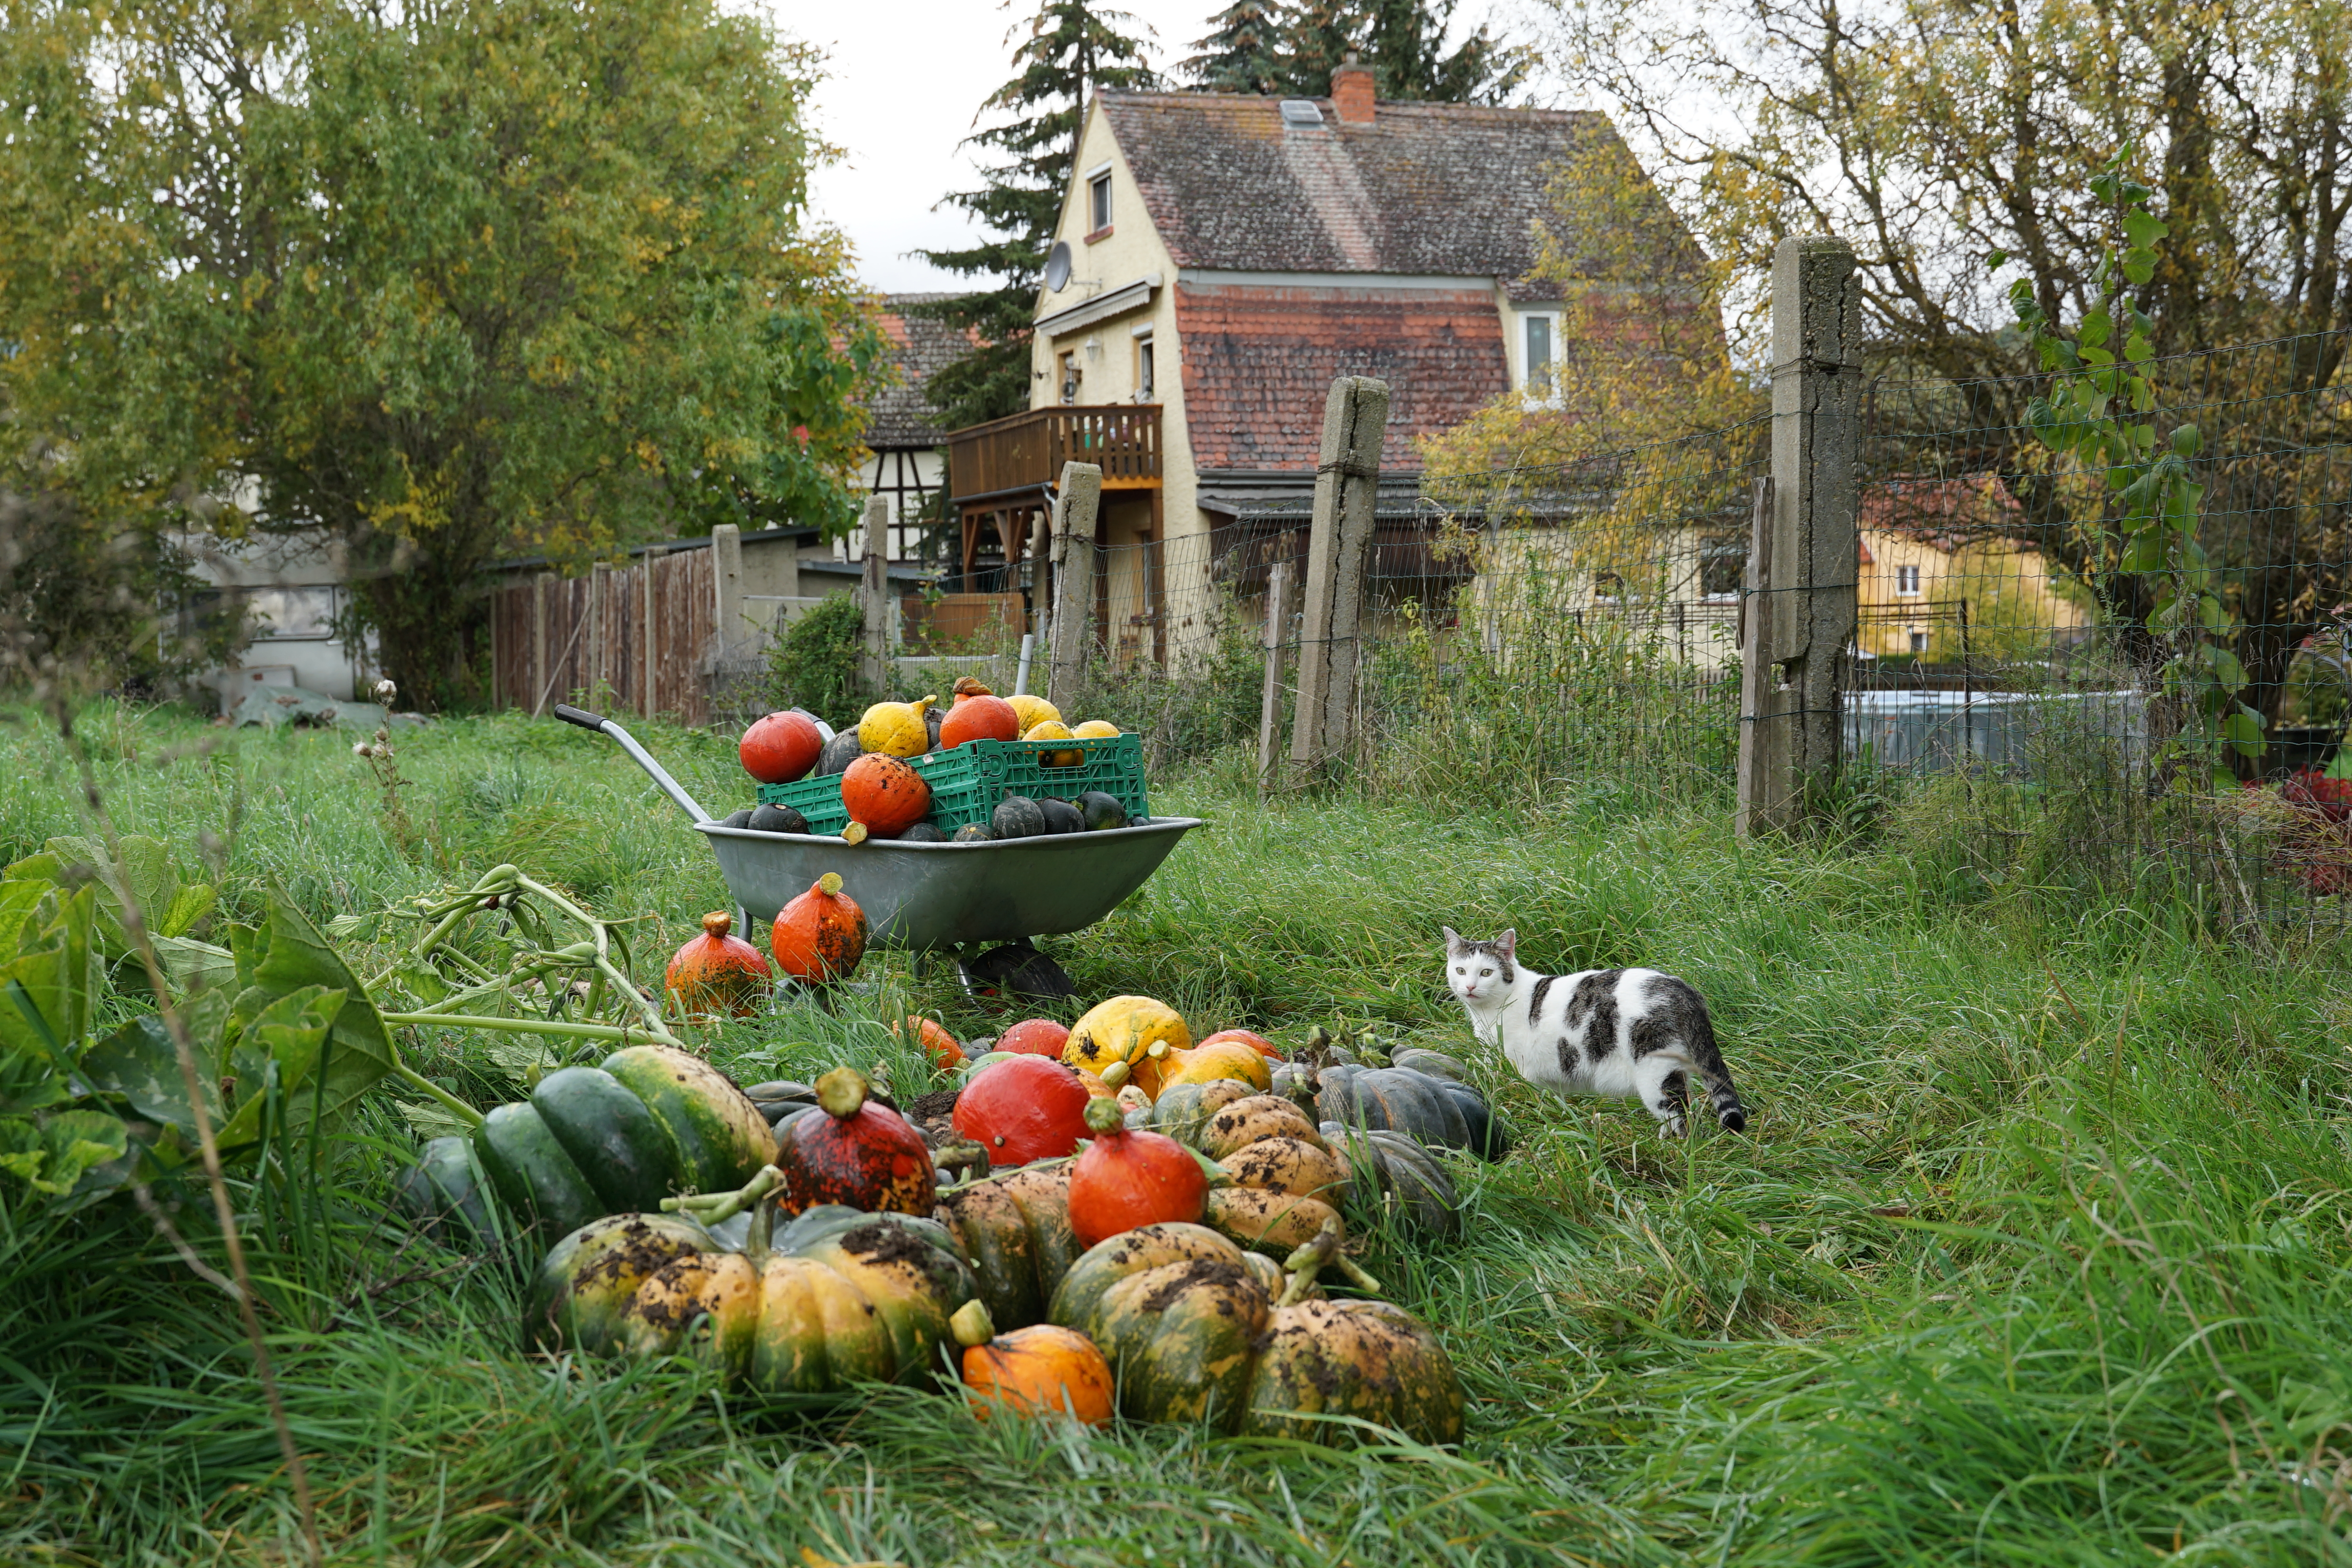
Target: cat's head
[{"x": 1480, "y": 971}]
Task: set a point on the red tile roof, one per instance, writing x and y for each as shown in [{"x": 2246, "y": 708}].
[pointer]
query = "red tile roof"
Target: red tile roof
[
  {"x": 1258, "y": 362},
  {"x": 1431, "y": 189},
  {"x": 1943, "y": 513},
  {"x": 900, "y": 416}
]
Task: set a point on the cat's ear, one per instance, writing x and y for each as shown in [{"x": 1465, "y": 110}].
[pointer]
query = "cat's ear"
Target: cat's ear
[
  {"x": 1452, "y": 941},
  {"x": 1508, "y": 944}
]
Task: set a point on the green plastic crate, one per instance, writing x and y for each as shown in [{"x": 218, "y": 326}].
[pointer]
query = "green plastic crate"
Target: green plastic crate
[{"x": 967, "y": 782}]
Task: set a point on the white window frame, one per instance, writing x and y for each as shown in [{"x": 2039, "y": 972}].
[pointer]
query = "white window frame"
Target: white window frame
[
  {"x": 1147, "y": 367},
  {"x": 1907, "y": 572},
  {"x": 1918, "y": 641},
  {"x": 1524, "y": 378}
]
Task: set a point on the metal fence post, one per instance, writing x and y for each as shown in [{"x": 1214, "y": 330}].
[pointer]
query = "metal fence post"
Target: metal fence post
[
  {"x": 1077, "y": 501},
  {"x": 1339, "y": 539},
  {"x": 1803, "y": 562},
  {"x": 874, "y": 599}
]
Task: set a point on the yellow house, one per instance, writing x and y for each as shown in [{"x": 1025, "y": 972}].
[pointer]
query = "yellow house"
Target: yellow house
[
  {"x": 1948, "y": 570},
  {"x": 1221, "y": 258}
]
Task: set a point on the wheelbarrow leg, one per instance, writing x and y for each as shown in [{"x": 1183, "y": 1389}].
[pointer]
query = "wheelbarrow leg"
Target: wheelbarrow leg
[{"x": 1016, "y": 969}]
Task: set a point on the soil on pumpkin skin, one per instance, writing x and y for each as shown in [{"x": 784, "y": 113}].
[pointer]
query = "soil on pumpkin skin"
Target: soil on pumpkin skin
[{"x": 1212, "y": 1271}]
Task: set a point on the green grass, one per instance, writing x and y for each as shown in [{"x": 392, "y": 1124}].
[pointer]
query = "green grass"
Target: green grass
[{"x": 2035, "y": 1252}]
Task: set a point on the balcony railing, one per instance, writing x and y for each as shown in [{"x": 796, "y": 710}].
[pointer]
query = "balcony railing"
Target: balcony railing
[{"x": 1007, "y": 456}]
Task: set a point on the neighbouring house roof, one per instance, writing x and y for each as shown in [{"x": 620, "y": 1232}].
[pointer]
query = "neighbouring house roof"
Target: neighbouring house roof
[
  {"x": 1259, "y": 360},
  {"x": 1426, "y": 189},
  {"x": 1944, "y": 513},
  {"x": 900, "y": 416}
]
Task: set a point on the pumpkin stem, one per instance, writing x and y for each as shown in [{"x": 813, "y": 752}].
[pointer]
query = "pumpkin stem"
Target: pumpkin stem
[
  {"x": 1113, "y": 1075},
  {"x": 960, "y": 1156},
  {"x": 853, "y": 834},
  {"x": 1104, "y": 1116},
  {"x": 830, "y": 884},
  {"x": 842, "y": 1092},
  {"x": 718, "y": 923},
  {"x": 971, "y": 1324},
  {"x": 966, "y": 686},
  {"x": 1309, "y": 1261},
  {"x": 763, "y": 1231}
]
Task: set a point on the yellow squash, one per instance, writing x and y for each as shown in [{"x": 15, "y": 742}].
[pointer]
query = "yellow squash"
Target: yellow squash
[
  {"x": 897, "y": 729},
  {"x": 1128, "y": 1039}
]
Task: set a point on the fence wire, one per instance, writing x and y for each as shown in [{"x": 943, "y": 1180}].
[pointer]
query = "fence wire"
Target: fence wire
[{"x": 1574, "y": 630}]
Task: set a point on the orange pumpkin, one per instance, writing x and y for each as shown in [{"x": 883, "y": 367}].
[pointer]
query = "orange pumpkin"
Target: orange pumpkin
[
  {"x": 1034, "y": 1037},
  {"x": 1127, "y": 1179},
  {"x": 781, "y": 747},
  {"x": 883, "y": 795},
  {"x": 1039, "y": 1370},
  {"x": 716, "y": 973},
  {"x": 945, "y": 1050},
  {"x": 1257, "y": 1043},
  {"x": 977, "y": 715},
  {"x": 821, "y": 936}
]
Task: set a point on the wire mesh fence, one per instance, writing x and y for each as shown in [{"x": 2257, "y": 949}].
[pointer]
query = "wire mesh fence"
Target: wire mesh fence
[{"x": 1537, "y": 632}]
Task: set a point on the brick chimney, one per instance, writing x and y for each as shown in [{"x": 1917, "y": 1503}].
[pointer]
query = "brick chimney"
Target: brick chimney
[{"x": 1351, "y": 92}]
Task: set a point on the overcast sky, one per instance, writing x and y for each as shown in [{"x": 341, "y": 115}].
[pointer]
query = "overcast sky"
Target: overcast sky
[{"x": 906, "y": 77}]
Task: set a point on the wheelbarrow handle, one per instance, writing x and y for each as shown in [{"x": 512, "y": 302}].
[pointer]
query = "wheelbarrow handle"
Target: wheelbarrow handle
[{"x": 604, "y": 726}]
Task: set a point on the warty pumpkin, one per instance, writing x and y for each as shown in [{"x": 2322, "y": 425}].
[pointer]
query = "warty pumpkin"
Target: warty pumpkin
[
  {"x": 1200, "y": 1332},
  {"x": 1135, "y": 1033}
]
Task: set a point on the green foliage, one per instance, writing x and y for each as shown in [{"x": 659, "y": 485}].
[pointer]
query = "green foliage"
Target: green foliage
[
  {"x": 814, "y": 665},
  {"x": 2089, "y": 416},
  {"x": 1067, "y": 51},
  {"x": 1242, "y": 50},
  {"x": 1403, "y": 42},
  {"x": 450, "y": 283}
]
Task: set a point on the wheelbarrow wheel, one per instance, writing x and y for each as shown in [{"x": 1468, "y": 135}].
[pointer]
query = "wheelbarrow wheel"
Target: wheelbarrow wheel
[{"x": 1016, "y": 969}]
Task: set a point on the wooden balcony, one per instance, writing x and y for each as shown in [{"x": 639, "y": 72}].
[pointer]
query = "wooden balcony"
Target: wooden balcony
[{"x": 996, "y": 461}]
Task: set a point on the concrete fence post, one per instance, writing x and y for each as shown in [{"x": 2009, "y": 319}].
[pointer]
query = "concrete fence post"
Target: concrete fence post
[
  {"x": 1803, "y": 561},
  {"x": 874, "y": 599},
  {"x": 726, "y": 595},
  {"x": 1278, "y": 596},
  {"x": 1339, "y": 547},
  {"x": 1078, "y": 503}
]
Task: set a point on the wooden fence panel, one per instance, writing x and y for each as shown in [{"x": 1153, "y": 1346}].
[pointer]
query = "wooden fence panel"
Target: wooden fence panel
[
  {"x": 685, "y": 602},
  {"x": 610, "y": 640}
]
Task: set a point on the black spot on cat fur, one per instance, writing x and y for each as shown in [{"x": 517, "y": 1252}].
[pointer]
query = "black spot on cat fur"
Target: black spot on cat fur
[
  {"x": 1592, "y": 1008},
  {"x": 1535, "y": 1002}
]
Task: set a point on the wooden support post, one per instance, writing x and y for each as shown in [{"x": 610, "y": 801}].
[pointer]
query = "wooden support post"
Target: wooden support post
[
  {"x": 540, "y": 587},
  {"x": 651, "y": 660},
  {"x": 1347, "y": 487},
  {"x": 874, "y": 600},
  {"x": 1278, "y": 596},
  {"x": 726, "y": 594},
  {"x": 600, "y": 592},
  {"x": 1803, "y": 562},
  {"x": 1077, "y": 503}
]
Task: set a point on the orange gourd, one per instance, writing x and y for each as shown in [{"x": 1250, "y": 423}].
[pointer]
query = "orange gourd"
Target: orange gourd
[
  {"x": 1038, "y": 1371},
  {"x": 944, "y": 1049},
  {"x": 1206, "y": 1063},
  {"x": 1257, "y": 1043},
  {"x": 781, "y": 747},
  {"x": 1125, "y": 1179},
  {"x": 977, "y": 715},
  {"x": 821, "y": 936},
  {"x": 883, "y": 795},
  {"x": 715, "y": 973}
]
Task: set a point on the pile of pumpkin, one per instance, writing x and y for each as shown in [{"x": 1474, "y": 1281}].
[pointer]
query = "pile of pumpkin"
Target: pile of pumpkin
[
  {"x": 1164, "y": 1257},
  {"x": 886, "y": 798}
]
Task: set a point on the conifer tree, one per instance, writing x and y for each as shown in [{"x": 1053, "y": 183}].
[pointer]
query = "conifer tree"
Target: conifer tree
[
  {"x": 1065, "y": 51},
  {"x": 1243, "y": 52}
]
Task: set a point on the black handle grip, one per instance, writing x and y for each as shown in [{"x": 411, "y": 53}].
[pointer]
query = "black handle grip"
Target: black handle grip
[{"x": 579, "y": 716}]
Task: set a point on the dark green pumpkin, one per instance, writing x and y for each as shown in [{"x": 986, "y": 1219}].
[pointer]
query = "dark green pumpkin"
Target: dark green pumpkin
[
  {"x": 1061, "y": 817},
  {"x": 923, "y": 833},
  {"x": 1191, "y": 1322},
  {"x": 777, "y": 819},
  {"x": 1392, "y": 1173},
  {"x": 652, "y": 1122},
  {"x": 1436, "y": 1064},
  {"x": 445, "y": 1195},
  {"x": 1435, "y": 1111},
  {"x": 972, "y": 833},
  {"x": 1102, "y": 812},
  {"x": 839, "y": 753},
  {"x": 1015, "y": 1229},
  {"x": 1016, "y": 816}
]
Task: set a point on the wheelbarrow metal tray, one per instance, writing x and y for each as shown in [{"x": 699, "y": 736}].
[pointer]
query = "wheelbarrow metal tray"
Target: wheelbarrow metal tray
[{"x": 936, "y": 896}]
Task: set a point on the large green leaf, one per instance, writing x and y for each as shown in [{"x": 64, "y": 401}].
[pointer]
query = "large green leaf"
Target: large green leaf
[
  {"x": 52, "y": 1153},
  {"x": 54, "y": 963},
  {"x": 282, "y": 1045},
  {"x": 138, "y": 1062},
  {"x": 284, "y": 954},
  {"x": 145, "y": 873}
]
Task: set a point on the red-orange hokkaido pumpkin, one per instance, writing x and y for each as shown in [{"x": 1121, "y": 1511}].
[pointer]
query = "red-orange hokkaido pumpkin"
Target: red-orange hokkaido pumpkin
[
  {"x": 1037, "y": 1370},
  {"x": 1024, "y": 1109},
  {"x": 1034, "y": 1037},
  {"x": 821, "y": 936},
  {"x": 781, "y": 747},
  {"x": 883, "y": 795},
  {"x": 1127, "y": 1179},
  {"x": 716, "y": 973},
  {"x": 977, "y": 715},
  {"x": 855, "y": 1151},
  {"x": 1257, "y": 1043},
  {"x": 944, "y": 1049}
]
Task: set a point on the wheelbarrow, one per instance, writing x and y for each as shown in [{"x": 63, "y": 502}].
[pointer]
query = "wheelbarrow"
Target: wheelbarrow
[{"x": 936, "y": 899}]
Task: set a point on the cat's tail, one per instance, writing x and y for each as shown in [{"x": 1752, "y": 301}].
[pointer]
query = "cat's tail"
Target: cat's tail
[{"x": 1705, "y": 1055}]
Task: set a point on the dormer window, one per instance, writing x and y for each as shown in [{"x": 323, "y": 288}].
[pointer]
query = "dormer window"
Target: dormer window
[{"x": 1099, "y": 202}]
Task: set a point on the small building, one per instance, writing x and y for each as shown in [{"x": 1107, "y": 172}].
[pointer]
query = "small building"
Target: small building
[
  {"x": 908, "y": 461},
  {"x": 1231, "y": 256},
  {"x": 1947, "y": 558}
]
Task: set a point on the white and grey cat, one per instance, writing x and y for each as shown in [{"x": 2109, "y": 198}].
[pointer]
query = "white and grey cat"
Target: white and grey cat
[{"x": 1625, "y": 1032}]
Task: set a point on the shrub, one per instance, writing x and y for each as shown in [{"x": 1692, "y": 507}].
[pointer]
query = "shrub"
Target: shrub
[{"x": 814, "y": 665}]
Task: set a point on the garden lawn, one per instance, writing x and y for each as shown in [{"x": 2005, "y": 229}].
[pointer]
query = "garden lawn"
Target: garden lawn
[{"x": 2034, "y": 1251}]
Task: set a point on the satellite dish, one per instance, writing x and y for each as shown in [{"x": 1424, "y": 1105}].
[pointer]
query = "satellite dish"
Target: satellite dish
[{"x": 1057, "y": 266}]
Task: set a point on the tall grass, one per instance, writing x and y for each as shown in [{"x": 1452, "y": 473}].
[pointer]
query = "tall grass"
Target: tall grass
[{"x": 2035, "y": 1251}]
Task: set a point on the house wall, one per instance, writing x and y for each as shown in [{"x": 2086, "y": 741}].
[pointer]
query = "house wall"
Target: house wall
[{"x": 2013, "y": 601}]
